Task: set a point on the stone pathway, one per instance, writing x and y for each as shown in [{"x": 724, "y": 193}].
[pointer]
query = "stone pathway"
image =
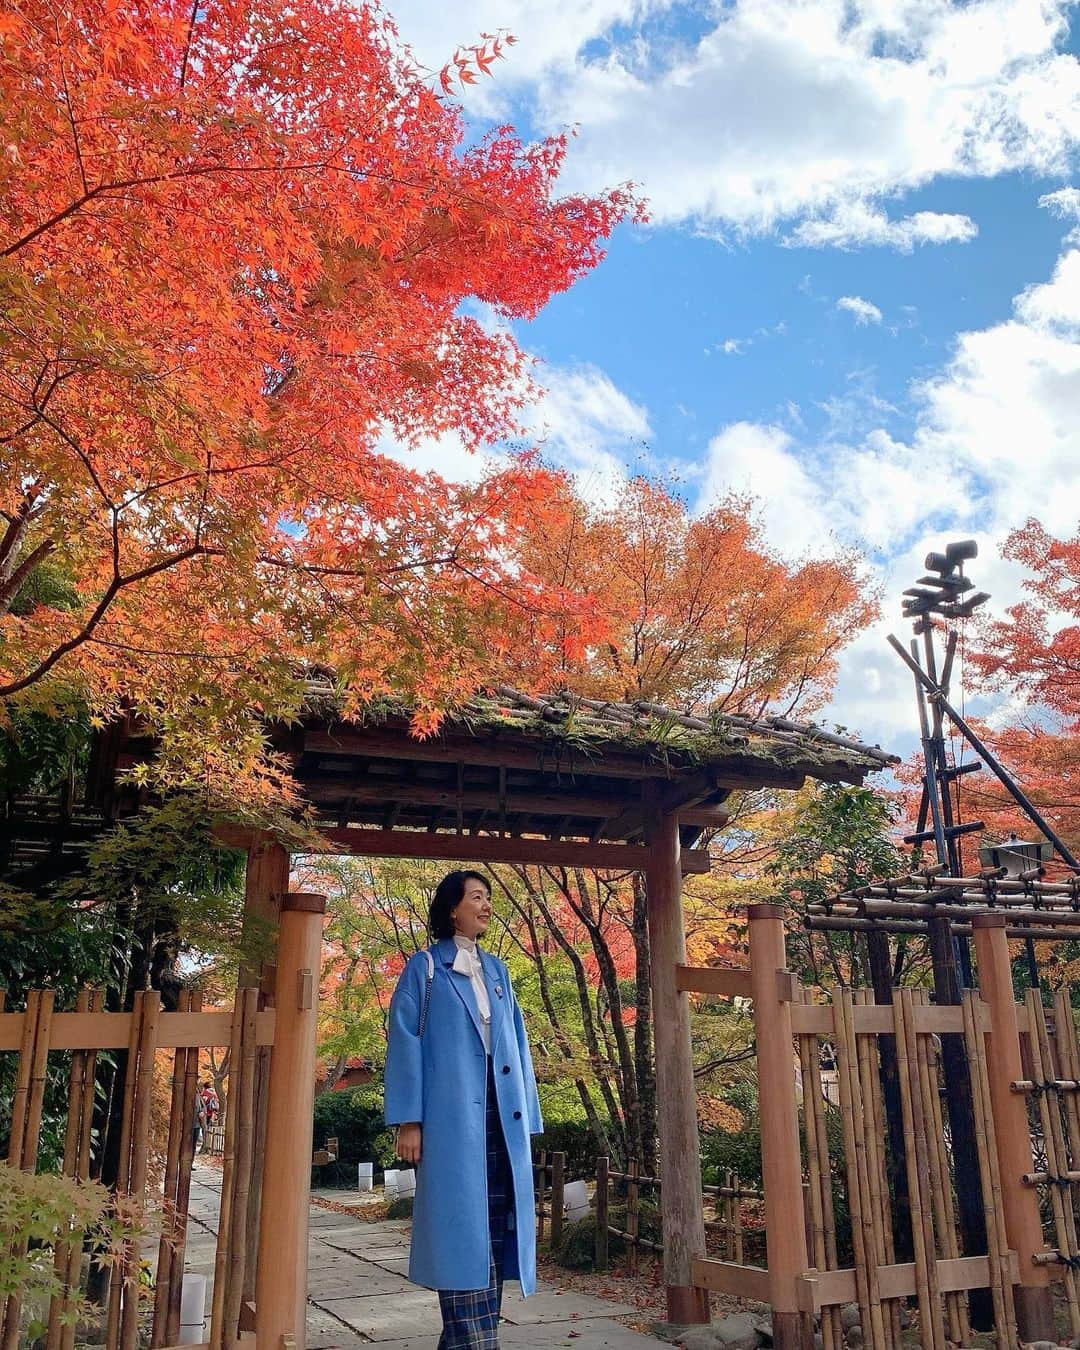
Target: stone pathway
[{"x": 358, "y": 1293}]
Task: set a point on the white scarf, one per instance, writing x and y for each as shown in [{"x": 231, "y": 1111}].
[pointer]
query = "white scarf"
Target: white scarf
[{"x": 467, "y": 962}]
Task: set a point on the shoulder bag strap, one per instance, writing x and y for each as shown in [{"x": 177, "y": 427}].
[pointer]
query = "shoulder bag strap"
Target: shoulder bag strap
[{"x": 427, "y": 993}]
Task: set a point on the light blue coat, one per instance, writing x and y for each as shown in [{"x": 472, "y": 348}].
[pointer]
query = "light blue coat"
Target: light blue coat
[{"x": 441, "y": 1081}]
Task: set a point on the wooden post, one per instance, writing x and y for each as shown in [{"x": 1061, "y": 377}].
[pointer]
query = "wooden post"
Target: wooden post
[
  {"x": 680, "y": 1197},
  {"x": 1023, "y": 1228},
  {"x": 633, "y": 1203},
  {"x": 541, "y": 1193},
  {"x": 558, "y": 1185},
  {"x": 602, "y": 1189},
  {"x": 281, "y": 1281},
  {"x": 780, "y": 1155}
]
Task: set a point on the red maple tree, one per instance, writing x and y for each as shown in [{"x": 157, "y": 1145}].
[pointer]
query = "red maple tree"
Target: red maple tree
[{"x": 238, "y": 244}]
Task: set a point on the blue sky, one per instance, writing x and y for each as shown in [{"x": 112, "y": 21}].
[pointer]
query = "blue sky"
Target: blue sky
[{"x": 863, "y": 261}]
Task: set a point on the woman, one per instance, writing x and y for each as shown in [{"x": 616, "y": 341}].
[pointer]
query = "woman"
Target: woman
[{"x": 461, "y": 1091}]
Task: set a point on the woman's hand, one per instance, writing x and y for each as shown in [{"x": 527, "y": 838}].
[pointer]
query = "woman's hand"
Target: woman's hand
[{"x": 408, "y": 1142}]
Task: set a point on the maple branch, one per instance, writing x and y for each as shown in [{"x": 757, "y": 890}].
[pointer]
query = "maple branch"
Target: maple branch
[
  {"x": 114, "y": 588},
  {"x": 187, "y": 43},
  {"x": 10, "y": 588},
  {"x": 71, "y": 111}
]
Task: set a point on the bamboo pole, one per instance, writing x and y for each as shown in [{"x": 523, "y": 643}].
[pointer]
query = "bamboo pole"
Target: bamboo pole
[
  {"x": 59, "y": 1302},
  {"x": 997, "y": 1243},
  {"x": 558, "y": 1186},
  {"x": 183, "y": 1186},
  {"x": 167, "y": 1270},
  {"x": 918, "y": 1110},
  {"x": 1056, "y": 1160},
  {"x": 219, "y": 1339},
  {"x": 1065, "y": 1045},
  {"x": 602, "y": 1210},
  {"x": 859, "y": 1172},
  {"x": 30, "y": 1087},
  {"x": 140, "y": 1155},
  {"x": 818, "y": 1172},
  {"x": 244, "y": 1101},
  {"x": 19, "y": 1100},
  {"x": 941, "y": 1185},
  {"x": 86, "y": 1116},
  {"x": 112, "y": 1334},
  {"x": 869, "y": 1088},
  {"x": 924, "y": 1256}
]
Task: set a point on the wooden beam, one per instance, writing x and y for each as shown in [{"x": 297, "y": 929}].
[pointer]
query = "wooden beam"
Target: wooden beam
[
  {"x": 112, "y": 1030},
  {"x": 492, "y": 848},
  {"x": 713, "y": 980},
  {"x": 734, "y": 772},
  {"x": 548, "y": 755},
  {"x": 556, "y": 803},
  {"x": 725, "y": 1277},
  {"x": 680, "y": 1197},
  {"x": 825, "y": 1288}
]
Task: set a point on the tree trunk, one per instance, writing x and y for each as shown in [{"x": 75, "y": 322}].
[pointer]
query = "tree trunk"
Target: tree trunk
[{"x": 644, "y": 1061}]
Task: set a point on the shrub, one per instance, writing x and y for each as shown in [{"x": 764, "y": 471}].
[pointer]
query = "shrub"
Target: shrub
[
  {"x": 577, "y": 1248},
  {"x": 576, "y": 1140},
  {"x": 39, "y": 1210},
  {"x": 401, "y": 1208},
  {"x": 355, "y": 1118}
]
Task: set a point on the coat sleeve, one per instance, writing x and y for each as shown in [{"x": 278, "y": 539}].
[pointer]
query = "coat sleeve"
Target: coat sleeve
[
  {"x": 404, "y": 1075},
  {"x": 536, "y": 1122}
]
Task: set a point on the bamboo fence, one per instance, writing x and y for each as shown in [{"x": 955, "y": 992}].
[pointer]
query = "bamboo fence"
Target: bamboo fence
[{"x": 139, "y": 1038}]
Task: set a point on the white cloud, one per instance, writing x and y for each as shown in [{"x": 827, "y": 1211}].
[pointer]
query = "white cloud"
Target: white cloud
[
  {"x": 997, "y": 441},
  {"x": 815, "y": 111},
  {"x": 862, "y": 311},
  {"x": 1065, "y": 202},
  {"x": 856, "y": 224}
]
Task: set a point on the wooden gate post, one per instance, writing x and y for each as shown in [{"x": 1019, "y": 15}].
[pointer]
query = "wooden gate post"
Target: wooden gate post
[
  {"x": 281, "y": 1282},
  {"x": 676, "y": 1093},
  {"x": 1034, "y": 1307},
  {"x": 781, "y": 1159}
]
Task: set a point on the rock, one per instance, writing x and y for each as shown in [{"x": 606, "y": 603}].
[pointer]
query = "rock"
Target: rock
[
  {"x": 736, "y": 1332},
  {"x": 763, "y": 1327},
  {"x": 853, "y": 1337},
  {"x": 703, "y": 1338},
  {"x": 849, "y": 1316}
]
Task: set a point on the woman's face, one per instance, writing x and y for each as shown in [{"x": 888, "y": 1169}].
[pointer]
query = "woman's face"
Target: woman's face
[{"x": 472, "y": 914}]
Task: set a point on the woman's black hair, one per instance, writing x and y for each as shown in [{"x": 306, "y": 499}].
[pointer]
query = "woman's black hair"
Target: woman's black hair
[{"x": 447, "y": 896}]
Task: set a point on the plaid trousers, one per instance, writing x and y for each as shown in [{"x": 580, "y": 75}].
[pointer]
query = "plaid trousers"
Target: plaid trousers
[{"x": 471, "y": 1316}]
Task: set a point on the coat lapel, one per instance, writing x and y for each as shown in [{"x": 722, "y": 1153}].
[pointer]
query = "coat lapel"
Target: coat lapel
[
  {"x": 461, "y": 984},
  {"x": 497, "y": 996}
]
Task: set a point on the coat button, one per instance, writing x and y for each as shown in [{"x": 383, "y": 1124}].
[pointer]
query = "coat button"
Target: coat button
[
  {"x": 506, "y": 1068},
  {"x": 517, "y": 1115}
]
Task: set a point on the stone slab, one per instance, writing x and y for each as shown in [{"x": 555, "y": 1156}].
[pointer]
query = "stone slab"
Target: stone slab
[
  {"x": 597, "y": 1334},
  {"x": 359, "y": 1279},
  {"x": 411, "y": 1315},
  {"x": 553, "y": 1305}
]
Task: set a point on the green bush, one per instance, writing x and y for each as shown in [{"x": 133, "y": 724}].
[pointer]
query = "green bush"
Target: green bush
[
  {"x": 355, "y": 1117},
  {"x": 577, "y": 1247},
  {"x": 401, "y": 1208},
  {"x": 576, "y": 1140}
]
